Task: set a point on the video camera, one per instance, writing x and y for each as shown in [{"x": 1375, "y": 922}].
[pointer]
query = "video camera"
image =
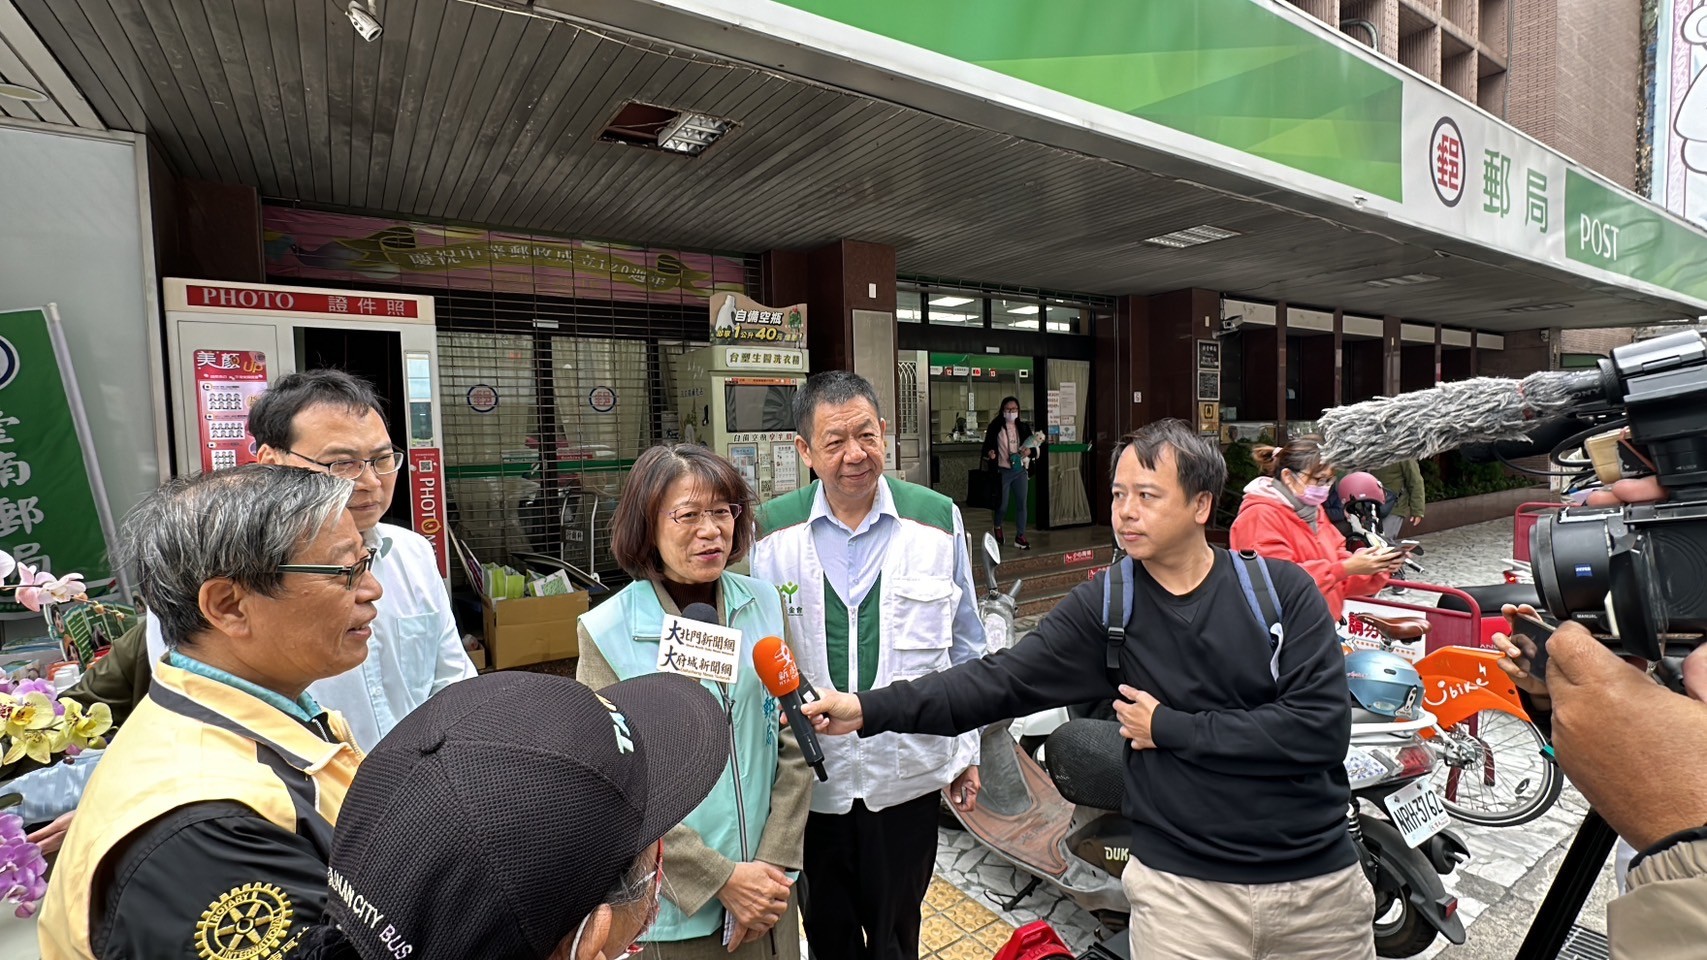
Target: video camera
[{"x": 1637, "y": 572}]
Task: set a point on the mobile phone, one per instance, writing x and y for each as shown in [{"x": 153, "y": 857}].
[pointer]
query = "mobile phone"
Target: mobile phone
[
  {"x": 1536, "y": 628},
  {"x": 1409, "y": 545}
]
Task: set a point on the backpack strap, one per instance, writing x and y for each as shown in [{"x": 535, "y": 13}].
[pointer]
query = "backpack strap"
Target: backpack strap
[
  {"x": 1116, "y": 589},
  {"x": 1264, "y": 604}
]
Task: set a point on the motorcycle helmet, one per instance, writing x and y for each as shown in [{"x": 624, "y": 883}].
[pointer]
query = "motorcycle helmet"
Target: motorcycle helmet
[
  {"x": 1362, "y": 486},
  {"x": 1384, "y": 684}
]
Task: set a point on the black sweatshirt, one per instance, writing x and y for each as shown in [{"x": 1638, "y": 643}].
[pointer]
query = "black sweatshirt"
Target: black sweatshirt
[{"x": 1248, "y": 782}]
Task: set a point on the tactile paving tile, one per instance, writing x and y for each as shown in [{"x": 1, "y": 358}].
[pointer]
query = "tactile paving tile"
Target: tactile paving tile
[{"x": 955, "y": 927}]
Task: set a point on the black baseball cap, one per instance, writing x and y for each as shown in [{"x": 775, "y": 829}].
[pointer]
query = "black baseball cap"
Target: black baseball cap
[{"x": 501, "y": 812}]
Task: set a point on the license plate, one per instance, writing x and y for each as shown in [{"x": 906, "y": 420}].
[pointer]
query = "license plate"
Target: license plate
[{"x": 1417, "y": 811}]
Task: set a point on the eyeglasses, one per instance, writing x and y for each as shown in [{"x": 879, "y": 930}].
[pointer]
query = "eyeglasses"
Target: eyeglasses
[
  {"x": 350, "y": 573},
  {"x": 657, "y": 900},
  {"x": 385, "y": 463},
  {"x": 722, "y": 516}
]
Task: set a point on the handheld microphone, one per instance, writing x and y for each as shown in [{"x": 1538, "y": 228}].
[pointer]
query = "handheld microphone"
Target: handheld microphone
[
  {"x": 703, "y": 612},
  {"x": 1423, "y": 423},
  {"x": 781, "y": 676}
]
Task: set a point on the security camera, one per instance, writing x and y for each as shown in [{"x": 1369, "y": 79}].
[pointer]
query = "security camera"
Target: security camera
[
  {"x": 363, "y": 21},
  {"x": 1231, "y": 325}
]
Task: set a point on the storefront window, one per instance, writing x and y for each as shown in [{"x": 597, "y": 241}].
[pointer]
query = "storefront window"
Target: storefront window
[
  {"x": 955, "y": 308},
  {"x": 1015, "y": 314},
  {"x": 909, "y": 306}
]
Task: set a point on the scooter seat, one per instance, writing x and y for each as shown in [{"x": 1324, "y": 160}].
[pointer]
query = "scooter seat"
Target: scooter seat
[
  {"x": 1491, "y": 597},
  {"x": 1401, "y": 628},
  {"x": 1087, "y": 761}
]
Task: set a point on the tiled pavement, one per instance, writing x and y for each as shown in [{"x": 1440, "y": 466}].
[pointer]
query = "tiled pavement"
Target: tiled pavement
[{"x": 1498, "y": 891}]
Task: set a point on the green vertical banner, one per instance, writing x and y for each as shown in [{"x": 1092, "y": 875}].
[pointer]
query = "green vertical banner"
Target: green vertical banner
[{"x": 48, "y": 513}]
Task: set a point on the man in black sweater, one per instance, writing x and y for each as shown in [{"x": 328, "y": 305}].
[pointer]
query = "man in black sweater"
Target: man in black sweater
[{"x": 1235, "y": 784}]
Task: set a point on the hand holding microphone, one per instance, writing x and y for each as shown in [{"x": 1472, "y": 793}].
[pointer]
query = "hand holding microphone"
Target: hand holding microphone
[{"x": 781, "y": 676}]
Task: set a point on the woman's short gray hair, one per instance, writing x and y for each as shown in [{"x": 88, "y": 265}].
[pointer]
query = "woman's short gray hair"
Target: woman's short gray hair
[{"x": 239, "y": 524}]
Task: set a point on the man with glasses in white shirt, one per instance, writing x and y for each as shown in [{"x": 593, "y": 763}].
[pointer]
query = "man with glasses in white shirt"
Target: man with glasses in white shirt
[{"x": 329, "y": 421}]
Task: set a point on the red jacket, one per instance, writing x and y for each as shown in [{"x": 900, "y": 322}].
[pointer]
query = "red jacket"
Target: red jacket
[{"x": 1268, "y": 525}]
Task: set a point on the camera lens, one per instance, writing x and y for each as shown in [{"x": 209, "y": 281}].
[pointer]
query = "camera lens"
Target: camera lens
[{"x": 1573, "y": 563}]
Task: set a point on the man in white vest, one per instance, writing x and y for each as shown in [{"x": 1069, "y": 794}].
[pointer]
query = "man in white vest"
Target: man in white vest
[{"x": 877, "y": 586}]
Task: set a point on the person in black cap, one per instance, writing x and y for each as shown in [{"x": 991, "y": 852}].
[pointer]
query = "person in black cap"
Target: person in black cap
[{"x": 518, "y": 816}]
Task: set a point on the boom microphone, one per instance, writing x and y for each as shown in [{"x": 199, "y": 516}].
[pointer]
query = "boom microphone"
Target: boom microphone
[
  {"x": 1423, "y": 423},
  {"x": 781, "y": 676}
]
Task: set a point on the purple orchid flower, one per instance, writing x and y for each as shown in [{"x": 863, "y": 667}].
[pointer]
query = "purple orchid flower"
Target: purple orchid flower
[{"x": 23, "y": 871}]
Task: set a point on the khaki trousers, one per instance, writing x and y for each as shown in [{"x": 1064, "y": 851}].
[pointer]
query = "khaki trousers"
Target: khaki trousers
[{"x": 1330, "y": 917}]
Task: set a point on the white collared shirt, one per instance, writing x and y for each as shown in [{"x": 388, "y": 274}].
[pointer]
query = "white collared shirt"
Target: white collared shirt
[{"x": 853, "y": 559}]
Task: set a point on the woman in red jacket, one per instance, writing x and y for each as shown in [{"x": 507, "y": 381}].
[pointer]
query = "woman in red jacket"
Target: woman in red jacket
[{"x": 1281, "y": 517}]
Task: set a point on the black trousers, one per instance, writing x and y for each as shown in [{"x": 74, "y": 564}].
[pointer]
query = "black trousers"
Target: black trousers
[{"x": 866, "y": 876}]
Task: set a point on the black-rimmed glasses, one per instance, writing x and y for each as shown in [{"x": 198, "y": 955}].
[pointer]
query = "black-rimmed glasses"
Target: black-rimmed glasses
[
  {"x": 350, "y": 573},
  {"x": 350, "y": 469}
]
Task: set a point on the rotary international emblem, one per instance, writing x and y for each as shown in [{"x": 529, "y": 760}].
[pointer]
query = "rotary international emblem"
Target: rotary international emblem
[{"x": 245, "y": 923}]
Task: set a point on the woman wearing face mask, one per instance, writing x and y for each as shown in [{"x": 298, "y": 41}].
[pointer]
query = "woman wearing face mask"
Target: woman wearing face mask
[
  {"x": 1282, "y": 517},
  {"x": 1004, "y": 445}
]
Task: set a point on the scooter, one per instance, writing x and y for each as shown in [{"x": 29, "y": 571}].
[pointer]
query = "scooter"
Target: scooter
[
  {"x": 1023, "y": 817},
  {"x": 1400, "y": 826},
  {"x": 1363, "y": 529},
  {"x": 997, "y": 609}
]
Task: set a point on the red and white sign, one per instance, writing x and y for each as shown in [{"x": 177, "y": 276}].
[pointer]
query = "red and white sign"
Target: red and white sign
[
  {"x": 1077, "y": 556},
  {"x": 427, "y": 501},
  {"x": 295, "y": 301},
  {"x": 1362, "y": 635},
  {"x": 227, "y": 384},
  {"x": 1446, "y": 161}
]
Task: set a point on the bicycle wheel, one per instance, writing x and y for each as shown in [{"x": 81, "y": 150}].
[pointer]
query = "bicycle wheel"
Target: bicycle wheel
[{"x": 1495, "y": 771}]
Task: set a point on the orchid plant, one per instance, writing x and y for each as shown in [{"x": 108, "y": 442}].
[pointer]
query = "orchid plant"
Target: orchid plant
[
  {"x": 38, "y": 588},
  {"x": 35, "y": 723}
]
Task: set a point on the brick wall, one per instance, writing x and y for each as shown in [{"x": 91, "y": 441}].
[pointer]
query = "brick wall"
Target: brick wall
[
  {"x": 1599, "y": 341},
  {"x": 1533, "y": 68},
  {"x": 1600, "y": 49},
  {"x": 1525, "y": 352}
]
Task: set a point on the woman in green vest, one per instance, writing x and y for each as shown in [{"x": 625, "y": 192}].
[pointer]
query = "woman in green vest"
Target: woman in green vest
[{"x": 685, "y": 515}]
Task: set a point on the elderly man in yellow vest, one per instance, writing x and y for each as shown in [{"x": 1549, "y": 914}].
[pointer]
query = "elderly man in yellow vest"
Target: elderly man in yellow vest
[{"x": 206, "y": 830}]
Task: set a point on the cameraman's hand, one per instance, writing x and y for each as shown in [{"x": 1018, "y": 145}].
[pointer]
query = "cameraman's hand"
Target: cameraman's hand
[
  {"x": 1640, "y": 490},
  {"x": 1637, "y": 751},
  {"x": 1519, "y": 653},
  {"x": 1368, "y": 562}
]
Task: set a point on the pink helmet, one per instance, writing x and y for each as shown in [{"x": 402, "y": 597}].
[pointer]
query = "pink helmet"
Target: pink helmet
[{"x": 1362, "y": 486}]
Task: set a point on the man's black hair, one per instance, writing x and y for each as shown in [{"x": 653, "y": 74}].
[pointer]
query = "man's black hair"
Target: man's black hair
[
  {"x": 271, "y": 417},
  {"x": 1197, "y": 457},
  {"x": 830, "y": 388}
]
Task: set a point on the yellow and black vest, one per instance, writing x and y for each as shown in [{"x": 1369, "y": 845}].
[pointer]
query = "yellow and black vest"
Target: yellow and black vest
[{"x": 193, "y": 740}]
